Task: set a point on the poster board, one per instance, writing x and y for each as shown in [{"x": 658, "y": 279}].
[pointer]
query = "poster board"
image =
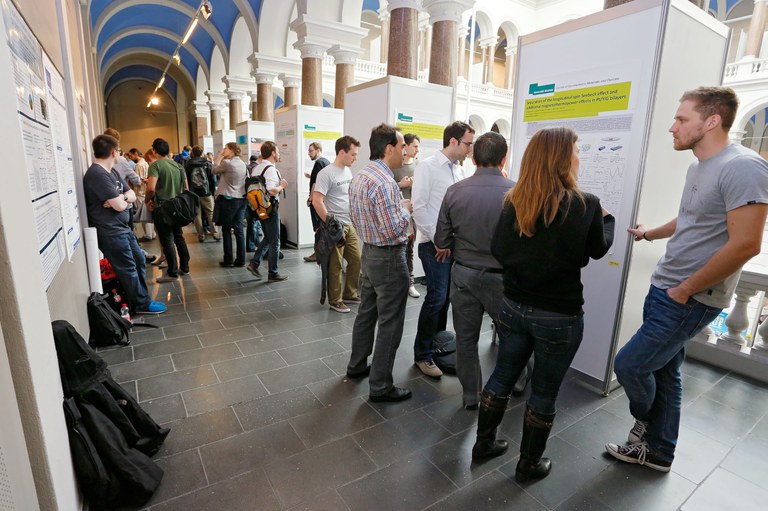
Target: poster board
[
  {"x": 295, "y": 128},
  {"x": 250, "y": 136},
  {"x": 221, "y": 138},
  {"x": 619, "y": 98}
]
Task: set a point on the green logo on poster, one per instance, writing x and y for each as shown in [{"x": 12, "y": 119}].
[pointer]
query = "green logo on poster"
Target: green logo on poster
[
  {"x": 404, "y": 118},
  {"x": 309, "y": 127},
  {"x": 535, "y": 89}
]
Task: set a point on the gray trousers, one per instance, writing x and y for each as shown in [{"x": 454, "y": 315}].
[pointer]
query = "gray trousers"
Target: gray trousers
[
  {"x": 473, "y": 292},
  {"x": 384, "y": 293}
]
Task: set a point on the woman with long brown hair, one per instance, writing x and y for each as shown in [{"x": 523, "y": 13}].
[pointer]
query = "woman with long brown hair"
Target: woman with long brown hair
[{"x": 548, "y": 231}]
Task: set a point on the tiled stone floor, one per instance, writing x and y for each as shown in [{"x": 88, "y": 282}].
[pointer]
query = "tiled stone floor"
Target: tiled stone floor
[{"x": 249, "y": 377}]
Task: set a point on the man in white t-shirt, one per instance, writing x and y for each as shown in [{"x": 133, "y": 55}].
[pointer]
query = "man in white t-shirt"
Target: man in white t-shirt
[
  {"x": 271, "y": 226},
  {"x": 330, "y": 196}
]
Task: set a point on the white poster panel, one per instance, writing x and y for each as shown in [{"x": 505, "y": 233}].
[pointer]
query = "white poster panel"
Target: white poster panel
[{"x": 35, "y": 124}]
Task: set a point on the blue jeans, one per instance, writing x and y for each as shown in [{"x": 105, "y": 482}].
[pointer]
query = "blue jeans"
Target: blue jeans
[
  {"x": 253, "y": 232},
  {"x": 649, "y": 365},
  {"x": 383, "y": 297},
  {"x": 231, "y": 217},
  {"x": 270, "y": 243},
  {"x": 434, "y": 311},
  {"x": 552, "y": 336},
  {"x": 127, "y": 259}
]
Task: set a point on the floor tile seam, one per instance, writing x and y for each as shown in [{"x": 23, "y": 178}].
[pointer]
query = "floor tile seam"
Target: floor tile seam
[
  {"x": 328, "y": 407},
  {"x": 608, "y": 462},
  {"x": 208, "y": 361},
  {"x": 178, "y": 391},
  {"x": 110, "y": 368},
  {"x": 740, "y": 410},
  {"x": 172, "y": 352},
  {"x": 221, "y": 383},
  {"x": 725, "y": 403}
]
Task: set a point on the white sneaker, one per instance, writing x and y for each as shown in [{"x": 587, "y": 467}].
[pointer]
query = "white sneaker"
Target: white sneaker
[
  {"x": 429, "y": 369},
  {"x": 413, "y": 293},
  {"x": 637, "y": 433}
]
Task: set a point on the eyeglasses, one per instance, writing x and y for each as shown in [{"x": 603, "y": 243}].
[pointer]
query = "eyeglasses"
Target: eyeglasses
[{"x": 469, "y": 144}]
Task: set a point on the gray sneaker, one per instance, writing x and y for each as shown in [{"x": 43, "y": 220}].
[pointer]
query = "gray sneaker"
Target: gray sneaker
[
  {"x": 637, "y": 433},
  {"x": 640, "y": 454}
]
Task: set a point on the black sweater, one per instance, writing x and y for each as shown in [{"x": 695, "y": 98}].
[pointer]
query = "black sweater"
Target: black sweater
[{"x": 545, "y": 270}]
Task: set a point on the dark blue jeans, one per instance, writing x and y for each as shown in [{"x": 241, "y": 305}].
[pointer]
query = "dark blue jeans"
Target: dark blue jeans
[
  {"x": 127, "y": 259},
  {"x": 434, "y": 311},
  {"x": 383, "y": 296},
  {"x": 648, "y": 366},
  {"x": 253, "y": 232},
  {"x": 270, "y": 243},
  {"x": 231, "y": 217},
  {"x": 552, "y": 336}
]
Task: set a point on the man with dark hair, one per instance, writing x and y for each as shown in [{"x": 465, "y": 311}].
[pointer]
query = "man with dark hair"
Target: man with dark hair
[
  {"x": 433, "y": 177},
  {"x": 167, "y": 180},
  {"x": 271, "y": 226},
  {"x": 106, "y": 199},
  {"x": 125, "y": 170},
  {"x": 201, "y": 183},
  {"x": 331, "y": 197},
  {"x": 718, "y": 228},
  {"x": 404, "y": 178},
  {"x": 315, "y": 152},
  {"x": 183, "y": 156},
  {"x": 381, "y": 220},
  {"x": 466, "y": 225}
]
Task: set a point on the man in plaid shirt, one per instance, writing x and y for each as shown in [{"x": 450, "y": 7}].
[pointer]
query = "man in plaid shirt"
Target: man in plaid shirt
[{"x": 381, "y": 220}]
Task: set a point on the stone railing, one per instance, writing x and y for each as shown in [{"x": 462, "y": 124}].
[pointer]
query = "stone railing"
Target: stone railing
[{"x": 746, "y": 71}]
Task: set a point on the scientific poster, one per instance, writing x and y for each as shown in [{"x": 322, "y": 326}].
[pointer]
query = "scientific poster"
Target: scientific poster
[{"x": 426, "y": 126}]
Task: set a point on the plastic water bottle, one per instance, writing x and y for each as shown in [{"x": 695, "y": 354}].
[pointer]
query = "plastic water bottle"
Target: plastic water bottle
[{"x": 125, "y": 313}]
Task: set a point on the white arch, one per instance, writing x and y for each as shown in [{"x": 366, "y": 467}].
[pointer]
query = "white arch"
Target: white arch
[
  {"x": 134, "y": 79},
  {"x": 114, "y": 8},
  {"x": 278, "y": 15},
  {"x": 250, "y": 20},
  {"x": 477, "y": 122},
  {"x": 511, "y": 32},
  {"x": 747, "y": 110},
  {"x": 218, "y": 71},
  {"x": 201, "y": 86},
  {"x": 240, "y": 49},
  {"x": 145, "y": 29},
  {"x": 149, "y": 57},
  {"x": 505, "y": 128},
  {"x": 350, "y": 12},
  {"x": 483, "y": 20}
]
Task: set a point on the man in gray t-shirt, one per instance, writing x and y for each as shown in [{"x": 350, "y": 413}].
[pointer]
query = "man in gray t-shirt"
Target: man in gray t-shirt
[
  {"x": 331, "y": 197},
  {"x": 718, "y": 228}
]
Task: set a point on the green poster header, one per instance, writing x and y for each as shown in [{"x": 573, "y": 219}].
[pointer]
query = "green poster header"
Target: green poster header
[{"x": 574, "y": 103}]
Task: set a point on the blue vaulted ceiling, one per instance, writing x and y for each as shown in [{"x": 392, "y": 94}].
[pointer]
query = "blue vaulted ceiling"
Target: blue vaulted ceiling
[
  {"x": 159, "y": 25},
  {"x": 147, "y": 73}
]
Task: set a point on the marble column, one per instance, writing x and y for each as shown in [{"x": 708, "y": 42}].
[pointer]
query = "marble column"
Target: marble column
[
  {"x": 491, "y": 62},
  {"x": 756, "y": 29},
  {"x": 509, "y": 78},
  {"x": 384, "y": 40},
  {"x": 443, "y": 65},
  {"x": 463, "y": 51},
  {"x": 235, "y": 107},
  {"x": 290, "y": 88},
  {"x": 484, "y": 61},
  {"x": 345, "y": 59},
  {"x": 199, "y": 112},
  {"x": 403, "y": 43},
  {"x": 217, "y": 123},
  {"x": 216, "y": 102},
  {"x": 254, "y": 105},
  {"x": 266, "y": 106},
  {"x": 311, "y": 73}
]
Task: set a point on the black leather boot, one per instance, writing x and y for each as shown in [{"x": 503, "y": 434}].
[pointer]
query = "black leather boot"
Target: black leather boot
[
  {"x": 536, "y": 428},
  {"x": 489, "y": 417}
]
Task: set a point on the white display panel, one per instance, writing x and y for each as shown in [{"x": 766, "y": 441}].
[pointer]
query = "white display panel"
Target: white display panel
[
  {"x": 221, "y": 138},
  {"x": 251, "y": 134},
  {"x": 295, "y": 128},
  {"x": 568, "y": 76}
]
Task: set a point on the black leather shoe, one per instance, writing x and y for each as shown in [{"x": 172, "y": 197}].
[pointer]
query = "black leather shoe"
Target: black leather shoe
[
  {"x": 359, "y": 374},
  {"x": 226, "y": 265},
  {"x": 394, "y": 394}
]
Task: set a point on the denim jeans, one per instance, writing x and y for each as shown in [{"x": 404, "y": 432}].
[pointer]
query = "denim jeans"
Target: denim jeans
[
  {"x": 383, "y": 298},
  {"x": 231, "y": 217},
  {"x": 434, "y": 311},
  {"x": 473, "y": 293},
  {"x": 270, "y": 243},
  {"x": 648, "y": 366},
  {"x": 172, "y": 239},
  {"x": 553, "y": 337},
  {"x": 253, "y": 232},
  {"x": 127, "y": 259}
]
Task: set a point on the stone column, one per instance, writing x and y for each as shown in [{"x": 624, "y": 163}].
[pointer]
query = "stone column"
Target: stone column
[
  {"x": 463, "y": 31},
  {"x": 484, "y": 62},
  {"x": 756, "y": 29},
  {"x": 235, "y": 107},
  {"x": 254, "y": 105},
  {"x": 383, "y": 52},
  {"x": 403, "y": 42},
  {"x": 266, "y": 106},
  {"x": 199, "y": 112},
  {"x": 509, "y": 79},
  {"x": 216, "y": 101},
  {"x": 345, "y": 59},
  {"x": 311, "y": 73},
  {"x": 445, "y": 16},
  {"x": 291, "y": 88}
]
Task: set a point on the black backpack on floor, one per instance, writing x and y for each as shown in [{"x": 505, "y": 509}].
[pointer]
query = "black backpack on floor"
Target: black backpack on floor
[{"x": 108, "y": 328}]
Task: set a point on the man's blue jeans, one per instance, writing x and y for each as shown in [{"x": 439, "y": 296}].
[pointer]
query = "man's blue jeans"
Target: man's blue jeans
[
  {"x": 434, "y": 311},
  {"x": 649, "y": 365},
  {"x": 253, "y": 232},
  {"x": 552, "y": 336},
  {"x": 270, "y": 242},
  {"x": 127, "y": 259}
]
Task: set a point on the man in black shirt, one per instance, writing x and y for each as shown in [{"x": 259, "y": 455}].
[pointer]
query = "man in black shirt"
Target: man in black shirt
[
  {"x": 315, "y": 152},
  {"x": 467, "y": 220},
  {"x": 107, "y": 198}
]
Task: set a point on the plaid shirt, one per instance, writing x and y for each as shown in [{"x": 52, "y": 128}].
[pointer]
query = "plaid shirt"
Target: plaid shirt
[{"x": 374, "y": 205}]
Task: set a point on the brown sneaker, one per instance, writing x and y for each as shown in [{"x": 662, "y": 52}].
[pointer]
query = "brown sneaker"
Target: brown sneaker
[
  {"x": 276, "y": 278},
  {"x": 340, "y": 307},
  {"x": 429, "y": 369}
]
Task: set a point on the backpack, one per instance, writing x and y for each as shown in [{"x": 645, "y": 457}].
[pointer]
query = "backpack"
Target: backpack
[
  {"x": 198, "y": 181},
  {"x": 108, "y": 328},
  {"x": 258, "y": 198},
  {"x": 178, "y": 211}
]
